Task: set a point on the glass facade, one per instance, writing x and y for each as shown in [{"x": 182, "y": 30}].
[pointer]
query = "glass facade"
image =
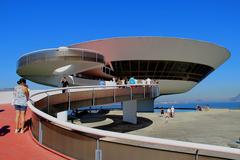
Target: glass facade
[{"x": 161, "y": 69}]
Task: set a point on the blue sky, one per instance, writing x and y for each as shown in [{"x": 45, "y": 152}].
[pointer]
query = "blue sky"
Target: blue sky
[{"x": 31, "y": 25}]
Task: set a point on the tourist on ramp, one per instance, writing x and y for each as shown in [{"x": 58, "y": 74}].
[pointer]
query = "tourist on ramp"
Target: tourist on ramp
[{"x": 21, "y": 96}]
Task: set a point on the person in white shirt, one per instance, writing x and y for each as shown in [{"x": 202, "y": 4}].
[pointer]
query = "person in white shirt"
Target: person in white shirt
[
  {"x": 172, "y": 111},
  {"x": 123, "y": 82},
  {"x": 168, "y": 113},
  {"x": 148, "y": 80}
]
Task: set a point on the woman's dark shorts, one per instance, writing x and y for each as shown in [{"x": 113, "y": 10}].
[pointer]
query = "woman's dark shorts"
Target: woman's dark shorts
[{"x": 20, "y": 108}]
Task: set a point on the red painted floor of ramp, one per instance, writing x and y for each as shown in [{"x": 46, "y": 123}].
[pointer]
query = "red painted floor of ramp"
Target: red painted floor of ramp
[{"x": 19, "y": 146}]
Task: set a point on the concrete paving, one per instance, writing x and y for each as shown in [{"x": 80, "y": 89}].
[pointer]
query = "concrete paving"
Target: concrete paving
[{"x": 216, "y": 127}]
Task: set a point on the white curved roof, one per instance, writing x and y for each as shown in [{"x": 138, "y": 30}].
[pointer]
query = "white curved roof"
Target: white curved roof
[{"x": 158, "y": 48}]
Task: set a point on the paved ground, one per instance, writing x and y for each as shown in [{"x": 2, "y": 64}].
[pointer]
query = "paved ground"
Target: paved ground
[
  {"x": 217, "y": 127},
  {"x": 19, "y": 146}
]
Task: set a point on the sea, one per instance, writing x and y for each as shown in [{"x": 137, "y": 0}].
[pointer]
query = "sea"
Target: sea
[
  {"x": 191, "y": 107},
  {"x": 179, "y": 107}
]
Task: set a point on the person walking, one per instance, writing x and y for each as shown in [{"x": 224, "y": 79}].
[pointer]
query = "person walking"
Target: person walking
[
  {"x": 21, "y": 96},
  {"x": 162, "y": 111},
  {"x": 167, "y": 116},
  {"x": 64, "y": 84}
]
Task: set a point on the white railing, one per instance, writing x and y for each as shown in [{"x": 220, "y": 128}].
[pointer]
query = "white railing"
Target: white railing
[
  {"x": 154, "y": 91},
  {"x": 172, "y": 145}
]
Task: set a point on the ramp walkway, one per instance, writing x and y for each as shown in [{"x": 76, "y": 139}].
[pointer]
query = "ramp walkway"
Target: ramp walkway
[{"x": 21, "y": 146}]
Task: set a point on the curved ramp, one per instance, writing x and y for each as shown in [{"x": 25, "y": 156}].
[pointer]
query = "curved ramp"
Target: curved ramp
[
  {"x": 54, "y": 101},
  {"x": 88, "y": 143}
]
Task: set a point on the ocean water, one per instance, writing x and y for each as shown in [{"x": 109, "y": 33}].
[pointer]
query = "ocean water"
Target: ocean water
[
  {"x": 179, "y": 107},
  {"x": 190, "y": 107}
]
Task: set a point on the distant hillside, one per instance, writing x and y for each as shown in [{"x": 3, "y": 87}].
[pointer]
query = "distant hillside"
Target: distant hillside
[{"x": 237, "y": 98}]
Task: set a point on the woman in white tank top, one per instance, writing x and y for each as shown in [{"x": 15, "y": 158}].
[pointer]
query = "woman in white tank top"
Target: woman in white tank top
[{"x": 21, "y": 96}]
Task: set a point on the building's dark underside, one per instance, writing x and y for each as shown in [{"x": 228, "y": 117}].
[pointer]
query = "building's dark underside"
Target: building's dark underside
[{"x": 161, "y": 69}]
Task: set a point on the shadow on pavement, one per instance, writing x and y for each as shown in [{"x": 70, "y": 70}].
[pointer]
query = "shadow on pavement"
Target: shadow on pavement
[
  {"x": 119, "y": 126},
  {"x": 27, "y": 124},
  {"x": 4, "y": 130}
]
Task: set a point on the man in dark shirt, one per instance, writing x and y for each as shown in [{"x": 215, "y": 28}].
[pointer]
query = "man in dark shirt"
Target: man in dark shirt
[{"x": 64, "y": 84}]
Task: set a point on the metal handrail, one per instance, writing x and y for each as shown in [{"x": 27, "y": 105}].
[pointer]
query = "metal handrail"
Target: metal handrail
[
  {"x": 99, "y": 87},
  {"x": 93, "y": 86},
  {"x": 176, "y": 145}
]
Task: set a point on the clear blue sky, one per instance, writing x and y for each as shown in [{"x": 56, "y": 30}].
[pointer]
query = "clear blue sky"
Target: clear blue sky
[{"x": 31, "y": 25}]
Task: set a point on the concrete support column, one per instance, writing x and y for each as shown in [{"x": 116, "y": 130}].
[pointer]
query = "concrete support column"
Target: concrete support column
[
  {"x": 145, "y": 105},
  {"x": 130, "y": 111},
  {"x": 62, "y": 116}
]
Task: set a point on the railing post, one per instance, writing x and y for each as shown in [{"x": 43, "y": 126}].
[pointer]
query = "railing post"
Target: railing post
[
  {"x": 114, "y": 95},
  {"x": 40, "y": 132},
  {"x": 47, "y": 102},
  {"x": 196, "y": 155},
  {"x": 98, "y": 151},
  {"x": 93, "y": 97},
  {"x": 151, "y": 91},
  {"x": 69, "y": 100},
  {"x": 131, "y": 93},
  {"x": 144, "y": 92}
]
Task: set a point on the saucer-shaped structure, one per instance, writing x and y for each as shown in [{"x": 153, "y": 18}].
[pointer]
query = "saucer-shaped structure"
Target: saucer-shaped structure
[{"x": 177, "y": 65}]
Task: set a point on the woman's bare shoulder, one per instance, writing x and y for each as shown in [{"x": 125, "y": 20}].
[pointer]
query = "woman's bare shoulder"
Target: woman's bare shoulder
[{"x": 25, "y": 89}]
